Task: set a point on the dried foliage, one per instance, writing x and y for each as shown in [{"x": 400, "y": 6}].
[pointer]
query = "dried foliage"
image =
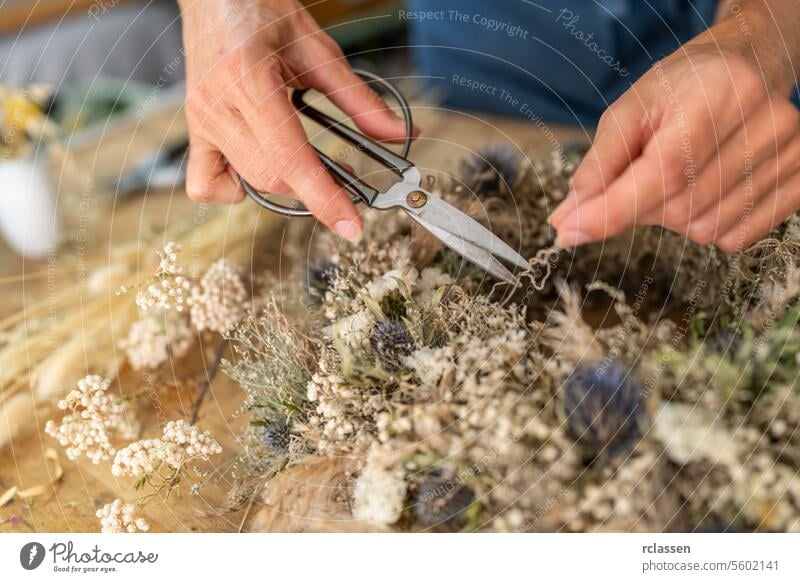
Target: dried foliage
[{"x": 641, "y": 384}]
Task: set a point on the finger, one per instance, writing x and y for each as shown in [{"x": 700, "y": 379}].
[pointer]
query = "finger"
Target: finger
[
  {"x": 668, "y": 162},
  {"x": 622, "y": 130},
  {"x": 758, "y": 184},
  {"x": 358, "y": 100},
  {"x": 208, "y": 177},
  {"x": 762, "y": 137},
  {"x": 283, "y": 153},
  {"x": 768, "y": 213}
]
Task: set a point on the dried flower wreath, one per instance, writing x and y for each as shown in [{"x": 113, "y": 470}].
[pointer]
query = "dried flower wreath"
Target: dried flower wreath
[
  {"x": 438, "y": 400},
  {"x": 642, "y": 384}
]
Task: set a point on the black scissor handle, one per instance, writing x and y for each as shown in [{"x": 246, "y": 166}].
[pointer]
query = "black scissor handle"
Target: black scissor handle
[{"x": 361, "y": 191}]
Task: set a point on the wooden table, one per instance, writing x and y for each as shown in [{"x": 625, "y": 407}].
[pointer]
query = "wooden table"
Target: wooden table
[{"x": 446, "y": 139}]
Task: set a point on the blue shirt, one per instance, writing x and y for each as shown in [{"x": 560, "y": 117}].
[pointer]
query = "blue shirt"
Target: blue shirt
[{"x": 562, "y": 61}]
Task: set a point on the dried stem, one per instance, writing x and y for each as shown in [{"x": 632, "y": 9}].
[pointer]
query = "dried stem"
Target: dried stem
[{"x": 211, "y": 373}]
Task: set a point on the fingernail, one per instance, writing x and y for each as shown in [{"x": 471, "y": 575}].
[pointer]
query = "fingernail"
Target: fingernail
[
  {"x": 348, "y": 229},
  {"x": 572, "y": 238}
]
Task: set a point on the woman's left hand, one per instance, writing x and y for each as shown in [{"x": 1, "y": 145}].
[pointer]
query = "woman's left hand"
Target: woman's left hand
[{"x": 706, "y": 144}]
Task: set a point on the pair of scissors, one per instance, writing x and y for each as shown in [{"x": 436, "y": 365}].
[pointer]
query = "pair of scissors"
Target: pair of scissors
[{"x": 455, "y": 229}]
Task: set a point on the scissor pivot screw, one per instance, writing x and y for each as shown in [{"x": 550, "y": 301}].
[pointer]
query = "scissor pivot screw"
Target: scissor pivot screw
[{"x": 417, "y": 199}]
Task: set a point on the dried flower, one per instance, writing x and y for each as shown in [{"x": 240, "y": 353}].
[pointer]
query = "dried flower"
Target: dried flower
[
  {"x": 152, "y": 339},
  {"x": 217, "y": 303},
  {"x": 602, "y": 407},
  {"x": 168, "y": 288},
  {"x": 442, "y": 499},
  {"x": 180, "y": 444},
  {"x": 277, "y": 436},
  {"x": 93, "y": 416},
  {"x": 430, "y": 364},
  {"x": 379, "y": 494},
  {"x": 490, "y": 170},
  {"x": 391, "y": 342},
  {"x": 341, "y": 413},
  {"x": 476, "y": 392},
  {"x": 353, "y": 329},
  {"x": 321, "y": 275},
  {"x": 120, "y": 517}
]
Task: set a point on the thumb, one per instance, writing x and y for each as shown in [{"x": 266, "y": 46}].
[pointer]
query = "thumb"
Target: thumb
[{"x": 618, "y": 141}]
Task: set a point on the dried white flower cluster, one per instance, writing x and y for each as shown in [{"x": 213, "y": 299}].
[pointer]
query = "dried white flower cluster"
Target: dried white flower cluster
[
  {"x": 635, "y": 497},
  {"x": 344, "y": 414},
  {"x": 154, "y": 338},
  {"x": 369, "y": 263},
  {"x": 217, "y": 303},
  {"x": 379, "y": 493},
  {"x": 477, "y": 413},
  {"x": 760, "y": 490},
  {"x": 120, "y": 517},
  {"x": 93, "y": 416},
  {"x": 179, "y": 444},
  {"x": 168, "y": 288}
]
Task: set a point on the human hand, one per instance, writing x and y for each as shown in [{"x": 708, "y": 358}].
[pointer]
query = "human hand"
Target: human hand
[
  {"x": 242, "y": 56},
  {"x": 705, "y": 144}
]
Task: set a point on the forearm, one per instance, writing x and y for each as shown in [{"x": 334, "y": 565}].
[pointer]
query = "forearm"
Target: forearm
[{"x": 766, "y": 31}]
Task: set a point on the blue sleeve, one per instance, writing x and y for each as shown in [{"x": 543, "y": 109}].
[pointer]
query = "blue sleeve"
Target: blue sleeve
[{"x": 563, "y": 61}]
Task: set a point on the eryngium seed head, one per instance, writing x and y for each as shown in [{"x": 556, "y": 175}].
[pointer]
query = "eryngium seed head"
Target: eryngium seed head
[
  {"x": 602, "y": 406},
  {"x": 276, "y": 436},
  {"x": 391, "y": 342},
  {"x": 490, "y": 171},
  {"x": 321, "y": 275},
  {"x": 441, "y": 500}
]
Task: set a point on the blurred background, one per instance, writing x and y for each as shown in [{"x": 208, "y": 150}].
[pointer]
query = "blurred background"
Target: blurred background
[
  {"x": 89, "y": 95},
  {"x": 67, "y": 42}
]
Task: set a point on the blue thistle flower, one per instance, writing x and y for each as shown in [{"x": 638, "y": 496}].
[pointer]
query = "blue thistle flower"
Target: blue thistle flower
[
  {"x": 602, "y": 408},
  {"x": 321, "y": 275},
  {"x": 490, "y": 170},
  {"x": 391, "y": 342},
  {"x": 727, "y": 341},
  {"x": 442, "y": 499},
  {"x": 277, "y": 436}
]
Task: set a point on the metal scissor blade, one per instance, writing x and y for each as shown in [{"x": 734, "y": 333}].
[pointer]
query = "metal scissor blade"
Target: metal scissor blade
[
  {"x": 473, "y": 253},
  {"x": 447, "y": 217}
]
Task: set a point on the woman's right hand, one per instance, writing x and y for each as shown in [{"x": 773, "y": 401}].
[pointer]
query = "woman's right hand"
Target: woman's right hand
[{"x": 242, "y": 57}]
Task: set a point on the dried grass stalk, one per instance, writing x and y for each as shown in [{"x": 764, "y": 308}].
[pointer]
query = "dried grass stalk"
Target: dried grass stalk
[{"x": 75, "y": 331}]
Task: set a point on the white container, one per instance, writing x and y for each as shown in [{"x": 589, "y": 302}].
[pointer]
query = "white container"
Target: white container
[{"x": 28, "y": 214}]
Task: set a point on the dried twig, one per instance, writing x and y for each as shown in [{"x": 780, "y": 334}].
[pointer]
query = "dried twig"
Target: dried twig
[{"x": 211, "y": 373}]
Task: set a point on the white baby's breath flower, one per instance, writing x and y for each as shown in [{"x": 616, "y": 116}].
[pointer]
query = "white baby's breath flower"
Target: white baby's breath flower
[
  {"x": 121, "y": 517},
  {"x": 155, "y": 337},
  {"x": 390, "y": 281},
  {"x": 179, "y": 444},
  {"x": 429, "y": 281},
  {"x": 168, "y": 288},
  {"x": 93, "y": 416},
  {"x": 430, "y": 364},
  {"x": 379, "y": 494},
  {"x": 217, "y": 303},
  {"x": 353, "y": 329}
]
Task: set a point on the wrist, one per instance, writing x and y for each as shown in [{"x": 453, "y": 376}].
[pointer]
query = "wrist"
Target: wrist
[{"x": 763, "y": 37}]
